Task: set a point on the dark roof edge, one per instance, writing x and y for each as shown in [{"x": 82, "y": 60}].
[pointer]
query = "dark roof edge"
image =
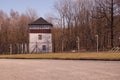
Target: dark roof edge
[
  {"x": 41, "y": 24},
  {"x": 40, "y": 21}
]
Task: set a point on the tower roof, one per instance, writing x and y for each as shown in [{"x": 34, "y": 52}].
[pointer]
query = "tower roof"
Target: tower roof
[{"x": 40, "y": 21}]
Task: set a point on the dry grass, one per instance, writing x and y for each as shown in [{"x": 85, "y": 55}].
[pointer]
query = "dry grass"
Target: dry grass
[{"x": 74, "y": 56}]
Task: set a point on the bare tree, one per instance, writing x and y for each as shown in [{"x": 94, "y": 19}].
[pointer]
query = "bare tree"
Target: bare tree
[
  {"x": 14, "y": 31},
  {"x": 108, "y": 9}
]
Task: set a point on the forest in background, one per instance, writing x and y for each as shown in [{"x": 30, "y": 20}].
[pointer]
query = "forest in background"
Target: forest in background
[
  {"x": 81, "y": 22},
  {"x": 77, "y": 25},
  {"x": 14, "y": 31}
]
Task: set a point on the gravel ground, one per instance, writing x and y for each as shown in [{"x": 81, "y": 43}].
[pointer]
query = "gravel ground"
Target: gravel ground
[{"x": 18, "y": 69}]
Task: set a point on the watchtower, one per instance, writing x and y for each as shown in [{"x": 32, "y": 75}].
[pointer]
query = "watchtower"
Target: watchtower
[{"x": 40, "y": 36}]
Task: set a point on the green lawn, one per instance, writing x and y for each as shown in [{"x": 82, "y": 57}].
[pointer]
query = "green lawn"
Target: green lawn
[{"x": 74, "y": 56}]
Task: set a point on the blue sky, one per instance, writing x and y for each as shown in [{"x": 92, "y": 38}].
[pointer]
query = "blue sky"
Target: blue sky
[{"x": 42, "y": 7}]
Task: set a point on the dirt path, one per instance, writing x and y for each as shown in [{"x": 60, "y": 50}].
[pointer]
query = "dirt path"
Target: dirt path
[{"x": 15, "y": 69}]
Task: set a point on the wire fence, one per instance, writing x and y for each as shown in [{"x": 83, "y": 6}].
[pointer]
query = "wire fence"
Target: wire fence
[
  {"x": 22, "y": 48},
  {"x": 39, "y": 47},
  {"x": 14, "y": 48}
]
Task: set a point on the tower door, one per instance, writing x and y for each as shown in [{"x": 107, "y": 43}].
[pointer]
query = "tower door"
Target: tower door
[{"x": 44, "y": 47}]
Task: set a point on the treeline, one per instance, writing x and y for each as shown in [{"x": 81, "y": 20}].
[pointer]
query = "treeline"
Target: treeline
[
  {"x": 14, "y": 31},
  {"x": 77, "y": 25},
  {"x": 80, "y": 22}
]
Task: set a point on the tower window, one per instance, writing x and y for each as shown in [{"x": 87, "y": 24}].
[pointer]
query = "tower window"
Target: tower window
[{"x": 39, "y": 37}]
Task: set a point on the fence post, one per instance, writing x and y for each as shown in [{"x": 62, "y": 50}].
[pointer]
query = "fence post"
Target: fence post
[{"x": 10, "y": 49}]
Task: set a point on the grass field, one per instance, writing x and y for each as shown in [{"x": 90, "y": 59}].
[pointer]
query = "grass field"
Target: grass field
[{"x": 67, "y": 56}]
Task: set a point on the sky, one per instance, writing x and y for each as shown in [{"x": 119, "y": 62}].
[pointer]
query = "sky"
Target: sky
[{"x": 42, "y": 7}]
